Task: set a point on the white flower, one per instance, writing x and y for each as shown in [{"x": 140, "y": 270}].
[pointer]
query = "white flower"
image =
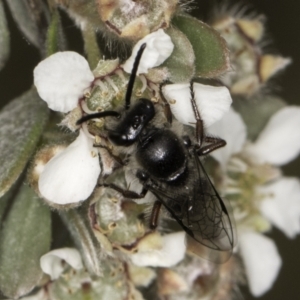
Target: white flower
[
  {"x": 61, "y": 80},
  {"x": 212, "y": 102},
  {"x": 53, "y": 262},
  {"x": 71, "y": 175},
  {"x": 159, "y": 48},
  {"x": 279, "y": 142},
  {"x": 261, "y": 259},
  {"x": 233, "y": 130},
  {"x": 281, "y": 205},
  {"x": 160, "y": 251}
]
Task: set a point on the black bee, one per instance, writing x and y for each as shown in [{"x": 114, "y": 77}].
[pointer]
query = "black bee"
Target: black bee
[{"x": 170, "y": 168}]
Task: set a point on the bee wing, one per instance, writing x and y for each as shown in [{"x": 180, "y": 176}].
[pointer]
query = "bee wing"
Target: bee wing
[
  {"x": 209, "y": 220},
  {"x": 205, "y": 217}
]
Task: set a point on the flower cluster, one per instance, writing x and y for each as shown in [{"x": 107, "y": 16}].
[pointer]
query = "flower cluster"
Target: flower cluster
[
  {"x": 249, "y": 175},
  {"x": 80, "y": 159},
  {"x": 70, "y": 71},
  {"x": 160, "y": 170},
  {"x": 259, "y": 194},
  {"x": 71, "y": 175}
]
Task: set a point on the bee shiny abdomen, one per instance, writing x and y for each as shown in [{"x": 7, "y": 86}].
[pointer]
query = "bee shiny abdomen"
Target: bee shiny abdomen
[{"x": 161, "y": 154}]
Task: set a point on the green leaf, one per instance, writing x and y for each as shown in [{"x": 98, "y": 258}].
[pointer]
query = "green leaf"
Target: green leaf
[
  {"x": 212, "y": 55},
  {"x": 91, "y": 47},
  {"x": 8, "y": 198},
  {"x": 181, "y": 63},
  {"x": 55, "y": 40},
  {"x": 4, "y": 38},
  {"x": 21, "y": 123},
  {"x": 22, "y": 15},
  {"x": 256, "y": 112},
  {"x": 24, "y": 238},
  {"x": 78, "y": 224}
]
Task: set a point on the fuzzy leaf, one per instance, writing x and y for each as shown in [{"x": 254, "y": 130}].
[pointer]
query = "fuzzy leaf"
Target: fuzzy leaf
[
  {"x": 181, "y": 64},
  {"x": 91, "y": 47},
  {"x": 22, "y": 15},
  {"x": 8, "y": 198},
  {"x": 77, "y": 222},
  {"x": 4, "y": 38},
  {"x": 212, "y": 55},
  {"x": 21, "y": 124},
  {"x": 257, "y": 112},
  {"x": 55, "y": 40},
  {"x": 24, "y": 238}
]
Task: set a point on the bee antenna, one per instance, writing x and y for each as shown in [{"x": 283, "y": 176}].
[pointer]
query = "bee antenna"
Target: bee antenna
[
  {"x": 102, "y": 114},
  {"x": 133, "y": 75}
]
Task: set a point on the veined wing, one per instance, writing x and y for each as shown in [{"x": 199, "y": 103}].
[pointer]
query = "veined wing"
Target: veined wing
[{"x": 203, "y": 214}]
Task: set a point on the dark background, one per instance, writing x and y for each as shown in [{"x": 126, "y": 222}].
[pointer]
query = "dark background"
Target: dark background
[{"x": 283, "y": 26}]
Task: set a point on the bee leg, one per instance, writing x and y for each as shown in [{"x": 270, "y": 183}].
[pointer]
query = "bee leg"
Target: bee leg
[
  {"x": 168, "y": 113},
  {"x": 199, "y": 121},
  {"x": 167, "y": 109},
  {"x": 214, "y": 143},
  {"x": 126, "y": 193},
  {"x": 155, "y": 214}
]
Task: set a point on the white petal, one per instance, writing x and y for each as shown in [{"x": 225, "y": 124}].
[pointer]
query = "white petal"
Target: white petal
[
  {"x": 279, "y": 142},
  {"x": 212, "y": 102},
  {"x": 159, "y": 48},
  {"x": 71, "y": 175},
  {"x": 282, "y": 206},
  {"x": 170, "y": 252},
  {"x": 53, "y": 262},
  {"x": 61, "y": 79},
  {"x": 232, "y": 129},
  {"x": 261, "y": 259}
]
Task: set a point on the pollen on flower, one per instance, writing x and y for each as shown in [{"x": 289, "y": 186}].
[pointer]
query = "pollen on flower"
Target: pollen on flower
[
  {"x": 114, "y": 200},
  {"x": 97, "y": 140},
  {"x": 87, "y": 94},
  {"x": 112, "y": 226},
  {"x": 154, "y": 99}
]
